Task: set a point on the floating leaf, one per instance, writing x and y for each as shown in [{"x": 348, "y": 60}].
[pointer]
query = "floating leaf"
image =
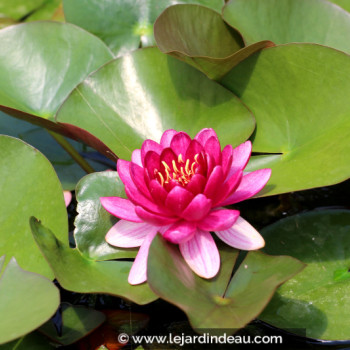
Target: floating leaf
[
  {"x": 17, "y": 9},
  {"x": 198, "y": 36},
  {"x": 218, "y": 303},
  {"x": 51, "y": 10},
  {"x": 29, "y": 186},
  {"x": 288, "y": 21},
  {"x": 93, "y": 221},
  {"x": 27, "y": 300},
  {"x": 345, "y": 4},
  {"x": 299, "y": 95},
  {"x": 124, "y": 25},
  {"x": 32, "y": 341},
  {"x": 141, "y": 95},
  {"x": 77, "y": 322},
  {"x": 68, "y": 171},
  {"x": 77, "y": 274},
  {"x": 316, "y": 299}
]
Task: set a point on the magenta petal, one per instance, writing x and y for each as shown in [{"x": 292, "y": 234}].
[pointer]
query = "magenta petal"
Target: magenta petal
[
  {"x": 227, "y": 188},
  {"x": 167, "y": 156},
  {"x": 167, "y": 137},
  {"x": 250, "y": 185},
  {"x": 147, "y": 146},
  {"x": 215, "y": 180},
  {"x": 242, "y": 235},
  {"x": 240, "y": 157},
  {"x": 121, "y": 208},
  {"x": 203, "y": 136},
  {"x": 210, "y": 163},
  {"x": 126, "y": 234},
  {"x": 226, "y": 161},
  {"x": 197, "y": 209},
  {"x": 197, "y": 184},
  {"x": 178, "y": 199},
  {"x": 180, "y": 143},
  {"x": 221, "y": 219},
  {"x": 180, "y": 232},
  {"x": 152, "y": 163},
  {"x": 67, "y": 197},
  {"x": 154, "y": 219},
  {"x": 123, "y": 168},
  {"x": 201, "y": 254},
  {"x": 138, "y": 176},
  {"x": 193, "y": 149},
  {"x": 138, "y": 272},
  {"x": 158, "y": 192},
  {"x": 136, "y": 157},
  {"x": 212, "y": 147}
]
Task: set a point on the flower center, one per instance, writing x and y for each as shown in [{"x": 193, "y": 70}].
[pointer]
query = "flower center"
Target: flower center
[{"x": 179, "y": 171}]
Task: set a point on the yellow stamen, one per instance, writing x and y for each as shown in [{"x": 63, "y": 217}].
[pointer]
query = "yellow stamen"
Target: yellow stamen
[
  {"x": 174, "y": 166},
  {"x": 192, "y": 167},
  {"x": 161, "y": 178},
  {"x": 196, "y": 158},
  {"x": 187, "y": 166},
  {"x": 179, "y": 158},
  {"x": 167, "y": 175},
  {"x": 166, "y": 166}
]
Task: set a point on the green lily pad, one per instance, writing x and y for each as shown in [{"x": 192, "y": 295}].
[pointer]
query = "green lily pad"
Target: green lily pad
[
  {"x": 289, "y": 21},
  {"x": 78, "y": 274},
  {"x": 68, "y": 171},
  {"x": 93, "y": 221},
  {"x": 198, "y": 36},
  {"x": 220, "y": 303},
  {"x": 32, "y": 341},
  {"x": 5, "y": 21},
  {"x": 316, "y": 299},
  {"x": 29, "y": 187},
  {"x": 298, "y": 94},
  {"x": 77, "y": 322},
  {"x": 345, "y": 4},
  {"x": 140, "y": 95},
  {"x": 27, "y": 300},
  {"x": 124, "y": 25},
  {"x": 50, "y": 10},
  {"x": 17, "y": 9}
]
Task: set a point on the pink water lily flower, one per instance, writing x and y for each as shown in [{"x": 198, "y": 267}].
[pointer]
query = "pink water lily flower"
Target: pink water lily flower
[{"x": 178, "y": 187}]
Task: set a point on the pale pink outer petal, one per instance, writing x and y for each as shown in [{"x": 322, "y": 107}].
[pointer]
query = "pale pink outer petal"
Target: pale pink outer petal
[
  {"x": 220, "y": 219},
  {"x": 201, "y": 254},
  {"x": 180, "y": 232},
  {"x": 126, "y": 234},
  {"x": 240, "y": 157},
  {"x": 250, "y": 185},
  {"x": 167, "y": 137},
  {"x": 67, "y": 197},
  {"x": 136, "y": 157},
  {"x": 138, "y": 272},
  {"x": 242, "y": 235},
  {"x": 120, "y": 207}
]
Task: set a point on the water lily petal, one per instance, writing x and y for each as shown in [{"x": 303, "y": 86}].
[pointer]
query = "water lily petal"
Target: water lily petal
[
  {"x": 120, "y": 207},
  {"x": 197, "y": 184},
  {"x": 193, "y": 149},
  {"x": 226, "y": 161},
  {"x": 180, "y": 143},
  {"x": 123, "y": 168},
  {"x": 154, "y": 219},
  {"x": 138, "y": 272},
  {"x": 240, "y": 157},
  {"x": 250, "y": 185},
  {"x": 197, "y": 209},
  {"x": 158, "y": 192},
  {"x": 138, "y": 176},
  {"x": 210, "y": 164},
  {"x": 221, "y": 219},
  {"x": 212, "y": 147},
  {"x": 201, "y": 254},
  {"x": 242, "y": 235},
  {"x": 227, "y": 188},
  {"x": 180, "y": 232},
  {"x": 151, "y": 163},
  {"x": 67, "y": 197},
  {"x": 167, "y": 156},
  {"x": 136, "y": 157},
  {"x": 178, "y": 199},
  {"x": 150, "y": 145},
  {"x": 215, "y": 180},
  {"x": 126, "y": 234},
  {"x": 167, "y": 137},
  {"x": 203, "y": 136}
]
